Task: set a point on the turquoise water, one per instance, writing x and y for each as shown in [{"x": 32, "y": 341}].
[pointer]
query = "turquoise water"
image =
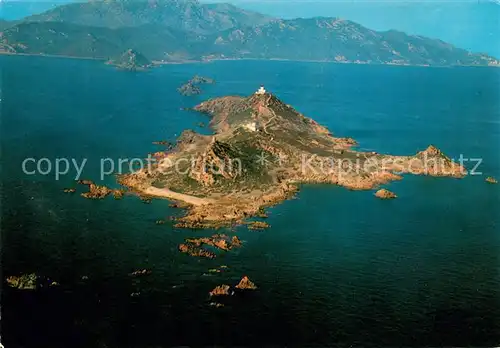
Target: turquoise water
[{"x": 336, "y": 267}]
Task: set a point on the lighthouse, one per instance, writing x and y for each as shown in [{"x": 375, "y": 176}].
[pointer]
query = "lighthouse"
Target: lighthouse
[{"x": 261, "y": 90}]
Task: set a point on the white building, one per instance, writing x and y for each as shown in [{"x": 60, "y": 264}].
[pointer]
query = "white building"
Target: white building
[{"x": 261, "y": 90}]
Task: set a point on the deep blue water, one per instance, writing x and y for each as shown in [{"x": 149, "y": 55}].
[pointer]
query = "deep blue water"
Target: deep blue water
[{"x": 336, "y": 267}]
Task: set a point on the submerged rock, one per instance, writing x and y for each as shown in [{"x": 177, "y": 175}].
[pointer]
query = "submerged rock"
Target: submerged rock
[
  {"x": 146, "y": 199},
  {"x": 216, "y": 304},
  {"x": 69, "y": 190},
  {"x": 246, "y": 284},
  {"x": 385, "y": 194},
  {"x": 140, "y": 272}
]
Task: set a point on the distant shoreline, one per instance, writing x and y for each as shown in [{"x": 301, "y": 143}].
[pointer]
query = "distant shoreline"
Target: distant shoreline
[
  {"x": 49, "y": 56},
  {"x": 160, "y": 63}
]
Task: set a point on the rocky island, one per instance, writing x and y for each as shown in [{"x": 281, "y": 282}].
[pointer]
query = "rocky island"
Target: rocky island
[
  {"x": 385, "y": 194},
  {"x": 261, "y": 150},
  {"x": 192, "y": 86},
  {"x": 131, "y": 60},
  {"x": 491, "y": 180}
]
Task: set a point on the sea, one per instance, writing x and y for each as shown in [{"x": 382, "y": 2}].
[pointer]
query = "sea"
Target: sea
[{"x": 336, "y": 267}]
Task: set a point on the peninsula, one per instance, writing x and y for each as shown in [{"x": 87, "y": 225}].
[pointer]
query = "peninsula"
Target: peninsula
[{"x": 259, "y": 153}]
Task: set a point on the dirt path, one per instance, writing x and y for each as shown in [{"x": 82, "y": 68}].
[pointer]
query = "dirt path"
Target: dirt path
[
  {"x": 166, "y": 193},
  {"x": 271, "y": 119}
]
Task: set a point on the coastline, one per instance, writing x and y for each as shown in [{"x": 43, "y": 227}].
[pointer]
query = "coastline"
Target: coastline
[
  {"x": 208, "y": 61},
  {"x": 50, "y": 56}
]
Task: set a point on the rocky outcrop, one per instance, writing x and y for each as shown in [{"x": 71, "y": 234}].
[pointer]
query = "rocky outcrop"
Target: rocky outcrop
[
  {"x": 192, "y": 86},
  {"x": 491, "y": 180},
  {"x": 218, "y": 159},
  {"x": 99, "y": 192},
  {"x": 23, "y": 282},
  {"x": 201, "y": 80},
  {"x": 385, "y": 194},
  {"x": 195, "y": 251},
  {"x": 163, "y": 142},
  {"x": 189, "y": 89},
  {"x": 118, "y": 194},
  {"x": 221, "y": 290},
  {"x": 258, "y": 225},
  {"x": 193, "y": 246},
  {"x": 236, "y": 242},
  {"x": 140, "y": 272},
  {"x": 246, "y": 284}
]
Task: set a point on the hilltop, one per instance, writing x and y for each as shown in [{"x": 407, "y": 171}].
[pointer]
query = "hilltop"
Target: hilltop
[
  {"x": 186, "y": 15},
  {"x": 260, "y": 151},
  {"x": 180, "y": 30}
]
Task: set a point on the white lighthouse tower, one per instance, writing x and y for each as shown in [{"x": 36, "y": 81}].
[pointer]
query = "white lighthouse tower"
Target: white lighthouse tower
[{"x": 261, "y": 90}]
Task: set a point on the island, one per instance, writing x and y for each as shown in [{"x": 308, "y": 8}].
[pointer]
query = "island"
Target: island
[
  {"x": 192, "y": 86},
  {"x": 131, "y": 60},
  {"x": 491, "y": 180},
  {"x": 261, "y": 150},
  {"x": 385, "y": 194}
]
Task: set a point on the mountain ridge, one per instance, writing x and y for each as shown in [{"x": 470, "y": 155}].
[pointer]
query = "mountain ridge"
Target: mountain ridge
[
  {"x": 188, "y": 15},
  {"x": 219, "y": 31}
]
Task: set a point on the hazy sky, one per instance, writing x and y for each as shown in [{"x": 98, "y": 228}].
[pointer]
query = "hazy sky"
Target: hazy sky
[{"x": 471, "y": 24}]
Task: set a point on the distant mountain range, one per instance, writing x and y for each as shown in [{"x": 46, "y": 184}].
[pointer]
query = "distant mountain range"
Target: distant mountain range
[{"x": 177, "y": 30}]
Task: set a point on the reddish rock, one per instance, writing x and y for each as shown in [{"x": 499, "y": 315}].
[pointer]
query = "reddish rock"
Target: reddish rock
[
  {"x": 235, "y": 242},
  {"x": 385, "y": 194},
  {"x": 246, "y": 283},
  {"x": 491, "y": 180},
  {"x": 221, "y": 290}
]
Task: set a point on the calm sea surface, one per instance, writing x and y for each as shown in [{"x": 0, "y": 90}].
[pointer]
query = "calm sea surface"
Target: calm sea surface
[{"x": 336, "y": 267}]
